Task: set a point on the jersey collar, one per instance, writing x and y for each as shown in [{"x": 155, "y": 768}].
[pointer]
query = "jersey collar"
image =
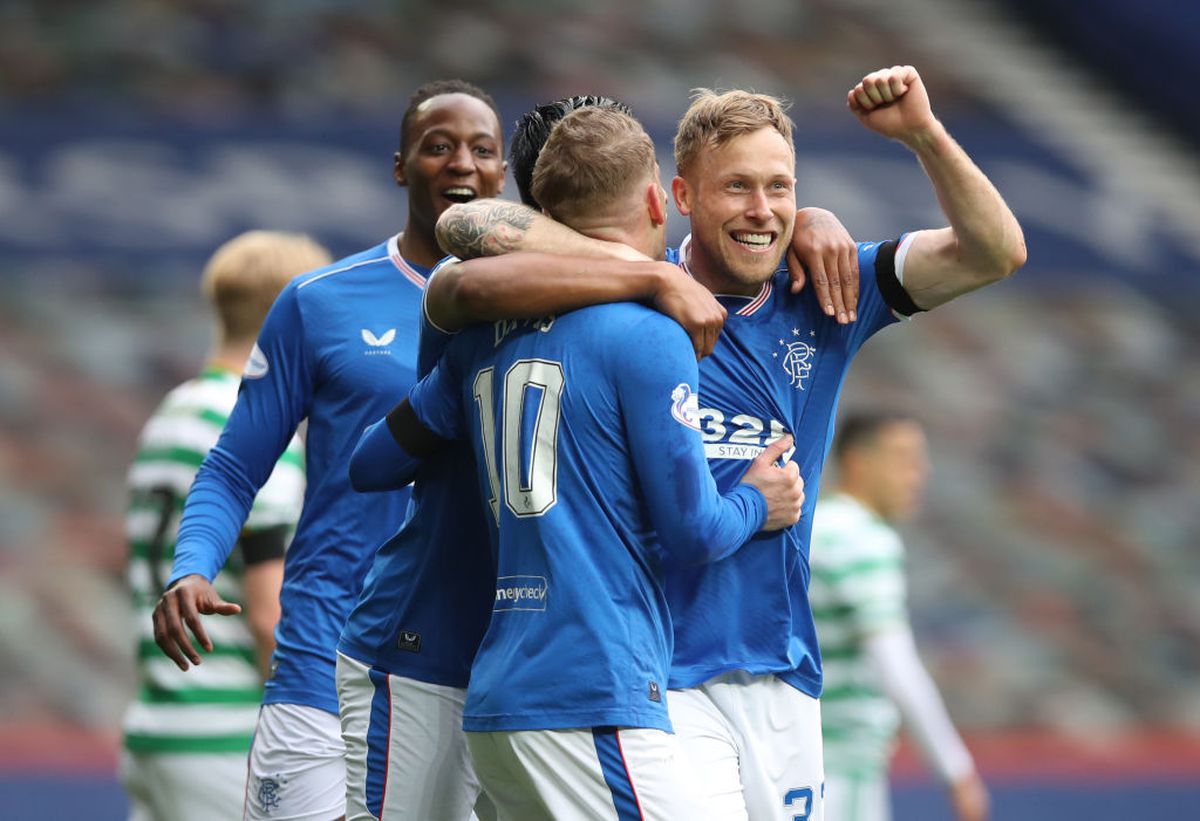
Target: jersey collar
[{"x": 410, "y": 271}]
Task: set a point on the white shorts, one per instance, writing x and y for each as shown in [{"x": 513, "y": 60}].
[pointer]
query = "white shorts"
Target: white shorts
[
  {"x": 184, "y": 786},
  {"x": 606, "y": 774},
  {"x": 755, "y": 743},
  {"x": 406, "y": 754},
  {"x": 297, "y": 766},
  {"x": 856, "y": 798}
]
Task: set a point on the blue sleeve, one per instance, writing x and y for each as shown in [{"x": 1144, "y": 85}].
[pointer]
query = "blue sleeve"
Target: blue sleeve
[
  {"x": 877, "y": 280},
  {"x": 659, "y": 404},
  {"x": 274, "y": 397},
  {"x": 433, "y": 340},
  {"x": 437, "y": 398},
  {"x": 379, "y": 463}
]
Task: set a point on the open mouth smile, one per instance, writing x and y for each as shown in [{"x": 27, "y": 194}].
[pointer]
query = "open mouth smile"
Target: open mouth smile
[
  {"x": 756, "y": 241},
  {"x": 459, "y": 194}
]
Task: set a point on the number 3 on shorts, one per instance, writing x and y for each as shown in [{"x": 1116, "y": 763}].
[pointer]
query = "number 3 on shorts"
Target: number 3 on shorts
[{"x": 800, "y": 801}]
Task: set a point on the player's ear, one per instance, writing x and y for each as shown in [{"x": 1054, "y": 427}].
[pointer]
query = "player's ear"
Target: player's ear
[
  {"x": 682, "y": 194},
  {"x": 656, "y": 203},
  {"x": 398, "y": 170}
]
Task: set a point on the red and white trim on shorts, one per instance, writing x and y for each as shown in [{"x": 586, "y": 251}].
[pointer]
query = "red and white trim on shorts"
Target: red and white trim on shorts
[{"x": 615, "y": 768}]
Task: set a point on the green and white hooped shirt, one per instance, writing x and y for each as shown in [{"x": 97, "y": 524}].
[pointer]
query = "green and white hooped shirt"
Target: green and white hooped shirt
[
  {"x": 211, "y": 708},
  {"x": 857, "y": 588}
]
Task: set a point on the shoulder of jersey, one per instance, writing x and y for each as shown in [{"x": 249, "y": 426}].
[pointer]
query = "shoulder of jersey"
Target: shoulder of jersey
[
  {"x": 364, "y": 263},
  {"x": 782, "y": 275},
  {"x": 840, "y": 511},
  {"x": 625, "y": 317},
  {"x": 781, "y": 292},
  {"x": 632, "y": 310},
  {"x": 218, "y": 392}
]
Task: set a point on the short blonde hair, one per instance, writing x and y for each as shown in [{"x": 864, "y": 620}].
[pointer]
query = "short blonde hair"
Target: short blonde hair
[
  {"x": 243, "y": 277},
  {"x": 714, "y": 119},
  {"x": 592, "y": 159}
]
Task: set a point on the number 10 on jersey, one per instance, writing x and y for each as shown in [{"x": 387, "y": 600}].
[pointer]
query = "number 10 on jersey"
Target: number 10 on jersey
[{"x": 529, "y": 415}]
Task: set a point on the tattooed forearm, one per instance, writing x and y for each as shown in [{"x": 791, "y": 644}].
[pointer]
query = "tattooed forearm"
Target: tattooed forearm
[{"x": 483, "y": 228}]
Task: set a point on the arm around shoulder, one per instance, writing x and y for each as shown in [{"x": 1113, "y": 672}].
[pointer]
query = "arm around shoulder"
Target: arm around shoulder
[
  {"x": 524, "y": 285},
  {"x": 489, "y": 227}
]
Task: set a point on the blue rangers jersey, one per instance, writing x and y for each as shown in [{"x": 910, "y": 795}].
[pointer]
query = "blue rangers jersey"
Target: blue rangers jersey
[
  {"x": 590, "y": 462},
  {"x": 777, "y": 368},
  {"x": 339, "y": 348},
  {"x": 426, "y": 600}
]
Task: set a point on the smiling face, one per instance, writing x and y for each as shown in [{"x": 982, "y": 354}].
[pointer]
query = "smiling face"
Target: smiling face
[
  {"x": 453, "y": 153},
  {"x": 741, "y": 200}
]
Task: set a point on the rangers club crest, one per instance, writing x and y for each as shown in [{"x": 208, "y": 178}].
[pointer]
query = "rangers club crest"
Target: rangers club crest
[
  {"x": 268, "y": 794},
  {"x": 796, "y": 359}
]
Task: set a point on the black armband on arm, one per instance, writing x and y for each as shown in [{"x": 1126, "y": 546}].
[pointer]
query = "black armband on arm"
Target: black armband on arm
[
  {"x": 410, "y": 433},
  {"x": 889, "y": 284},
  {"x": 264, "y": 545}
]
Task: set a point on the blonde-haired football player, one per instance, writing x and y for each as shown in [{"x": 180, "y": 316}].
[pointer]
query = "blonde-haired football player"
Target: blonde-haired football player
[{"x": 187, "y": 736}]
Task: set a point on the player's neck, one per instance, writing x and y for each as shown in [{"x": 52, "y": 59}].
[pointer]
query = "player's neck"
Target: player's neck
[
  {"x": 709, "y": 274},
  {"x": 231, "y": 356},
  {"x": 616, "y": 233},
  {"x": 615, "y": 226},
  {"x": 419, "y": 247},
  {"x": 859, "y": 496}
]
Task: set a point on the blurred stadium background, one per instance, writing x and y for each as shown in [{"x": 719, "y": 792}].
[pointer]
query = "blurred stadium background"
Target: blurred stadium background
[{"x": 1056, "y": 573}]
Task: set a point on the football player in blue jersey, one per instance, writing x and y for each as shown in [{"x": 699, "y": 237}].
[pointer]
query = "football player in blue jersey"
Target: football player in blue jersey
[
  {"x": 338, "y": 349},
  {"x": 589, "y": 456},
  {"x": 405, "y": 653},
  {"x": 746, "y": 672}
]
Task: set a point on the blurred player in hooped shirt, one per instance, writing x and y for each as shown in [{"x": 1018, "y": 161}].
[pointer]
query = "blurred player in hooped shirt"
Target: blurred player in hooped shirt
[
  {"x": 186, "y": 737},
  {"x": 873, "y": 675}
]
